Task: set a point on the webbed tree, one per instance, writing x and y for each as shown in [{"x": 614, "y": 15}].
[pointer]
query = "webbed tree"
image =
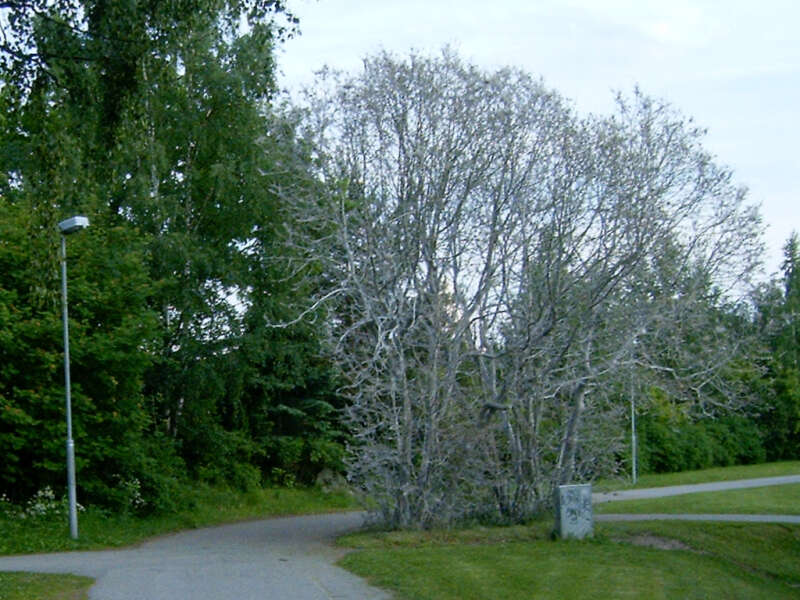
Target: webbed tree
[{"x": 503, "y": 264}]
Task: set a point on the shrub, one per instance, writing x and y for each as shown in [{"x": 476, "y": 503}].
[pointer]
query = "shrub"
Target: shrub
[{"x": 678, "y": 444}]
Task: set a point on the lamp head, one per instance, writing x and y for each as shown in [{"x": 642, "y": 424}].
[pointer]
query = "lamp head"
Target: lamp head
[{"x": 73, "y": 224}]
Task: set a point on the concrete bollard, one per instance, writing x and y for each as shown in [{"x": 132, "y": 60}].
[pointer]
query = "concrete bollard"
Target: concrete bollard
[{"x": 574, "y": 517}]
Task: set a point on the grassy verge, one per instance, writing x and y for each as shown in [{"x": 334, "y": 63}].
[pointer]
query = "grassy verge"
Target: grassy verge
[
  {"x": 769, "y": 550},
  {"x": 772, "y": 500},
  {"x": 719, "y": 561},
  {"x": 98, "y": 529},
  {"x": 624, "y": 560},
  {"x": 776, "y": 469},
  {"x": 29, "y": 586}
]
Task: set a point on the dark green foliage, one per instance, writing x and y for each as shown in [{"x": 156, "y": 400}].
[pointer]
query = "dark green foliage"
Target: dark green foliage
[
  {"x": 669, "y": 445},
  {"x": 107, "y": 364},
  {"x": 672, "y": 438},
  {"x": 153, "y": 120},
  {"x": 780, "y": 420},
  {"x": 289, "y": 404},
  {"x": 778, "y": 317}
]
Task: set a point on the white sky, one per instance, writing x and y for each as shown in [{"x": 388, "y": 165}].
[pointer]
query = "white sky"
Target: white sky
[{"x": 733, "y": 65}]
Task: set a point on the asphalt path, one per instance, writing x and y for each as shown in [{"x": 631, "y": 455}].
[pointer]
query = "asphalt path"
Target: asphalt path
[
  {"x": 677, "y": 490},
  {"x": 281, "y": 559}
]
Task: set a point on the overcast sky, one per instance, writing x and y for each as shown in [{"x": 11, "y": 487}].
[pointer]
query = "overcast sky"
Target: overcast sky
[{"x": 733, "y": 65}]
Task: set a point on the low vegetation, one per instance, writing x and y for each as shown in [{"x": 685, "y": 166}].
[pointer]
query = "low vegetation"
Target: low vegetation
[
  {"x": 652, "y": 559},
  {"x": 26, "y": 586},
  {"x": 625, "y": 560},
  {"x": 49, "y": 532},
  {"x": 769, "y": 551},
  {"x": 655, "y": 559}
]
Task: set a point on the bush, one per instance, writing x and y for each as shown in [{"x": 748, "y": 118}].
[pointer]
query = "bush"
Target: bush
[
  {"x": 673, "y": 444},
  {"x": 152, "y": 480},
  {"x": 781, "y": 419}
]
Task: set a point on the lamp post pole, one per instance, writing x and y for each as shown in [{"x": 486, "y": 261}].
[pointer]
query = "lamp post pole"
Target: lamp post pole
[
  {"x": 634, "y": 449},
  {"x": 635, "y": 466},
  {"x": 67, "y": 227}
]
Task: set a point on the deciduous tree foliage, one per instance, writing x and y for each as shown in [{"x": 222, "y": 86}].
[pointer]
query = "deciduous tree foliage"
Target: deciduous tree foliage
[
  {"x": 505, "y": 265},
  {"x": 108, "y": 283},
  {"x": 154, "y": 119}
]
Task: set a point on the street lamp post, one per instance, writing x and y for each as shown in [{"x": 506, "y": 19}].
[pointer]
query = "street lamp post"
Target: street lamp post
[
  {"x": 634, "y": 446},
  {"x": 66, "y": 227},
  {"x": 634, "y": 462}
]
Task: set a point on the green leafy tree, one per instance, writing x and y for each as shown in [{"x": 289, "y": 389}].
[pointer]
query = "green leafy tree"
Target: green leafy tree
[
  {"x": 109, "y": 321},
  {"x": 154, "y": 120}
]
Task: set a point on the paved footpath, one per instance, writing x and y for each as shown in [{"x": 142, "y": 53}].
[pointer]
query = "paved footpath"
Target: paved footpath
[
  {"x": 678, "y": 490},
  {"x": 276, "y": 559}
]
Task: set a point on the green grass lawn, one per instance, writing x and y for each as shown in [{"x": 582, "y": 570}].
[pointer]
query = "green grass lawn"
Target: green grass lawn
[
  {"x": 33, "y": 586},
  {"x": 772, "y": 500},
  {"x": 99, "y": 530},
  {"x": 624, "y": 560},
  {"x": 718, "y": 561},
  {"x": 776, "y": 469},
  {"x": 771, "y": 550}
]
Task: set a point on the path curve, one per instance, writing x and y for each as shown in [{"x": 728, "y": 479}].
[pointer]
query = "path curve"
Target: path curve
[{"x": 283, "y": 558}]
